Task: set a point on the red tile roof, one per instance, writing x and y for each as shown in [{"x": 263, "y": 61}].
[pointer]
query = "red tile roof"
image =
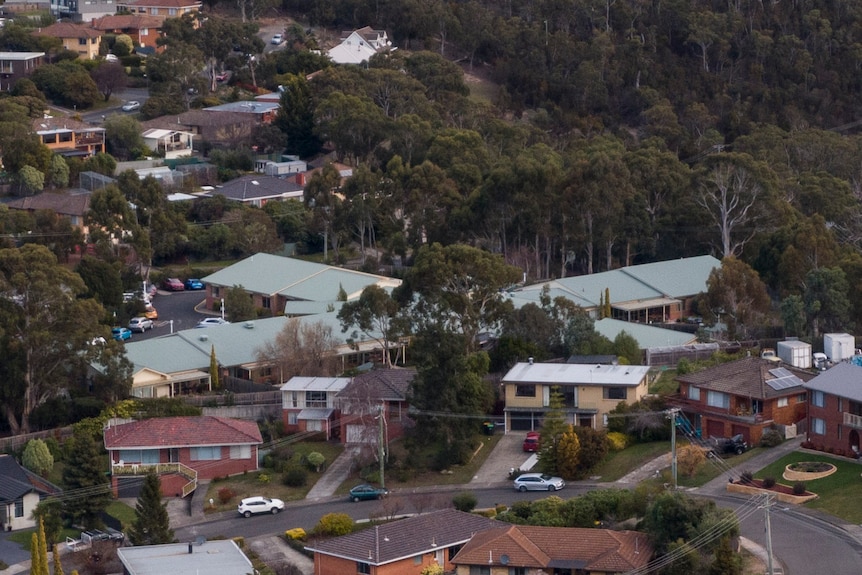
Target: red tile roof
[
  {"x": 127, "y": 22},
  {"x": 163, "y": 432},
  {"x": 68, "y": 30},
  {"x": 592, "y": 550},
  {"x": 163, "y": 3},
  {"x": 64, "y": 204}
]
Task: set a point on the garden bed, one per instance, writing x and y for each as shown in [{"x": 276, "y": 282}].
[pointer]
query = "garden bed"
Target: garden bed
[
  {"x": 808, "y": 470},
  {"x": 782, "y": 492}
]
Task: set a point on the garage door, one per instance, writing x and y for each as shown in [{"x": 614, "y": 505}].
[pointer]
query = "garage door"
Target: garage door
[
  {"x": 714, "y": 428},
  {"x": 360, "y": 434},
  {"x": 524, "y": 421}
]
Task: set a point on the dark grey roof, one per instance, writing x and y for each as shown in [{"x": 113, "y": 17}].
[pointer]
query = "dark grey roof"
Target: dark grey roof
[
  {"x": 257, "y": 186},
  {"x": 380, "y": 384},
  {"x": 16, "y": 481},
  {"x": 406, "y": 537},
  {"x": 843, "y": 379},
  {"x": 746, "y": 377}
]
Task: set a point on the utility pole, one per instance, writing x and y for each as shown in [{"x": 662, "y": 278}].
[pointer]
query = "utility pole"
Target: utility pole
[
  {"x": 671, "y": 414},
  {"x": 768, "y": 525},
  {"x": 381, "y": 448}
]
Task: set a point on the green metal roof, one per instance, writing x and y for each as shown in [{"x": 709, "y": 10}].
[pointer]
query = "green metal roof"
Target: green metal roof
[{"x": 647, "y": 336}]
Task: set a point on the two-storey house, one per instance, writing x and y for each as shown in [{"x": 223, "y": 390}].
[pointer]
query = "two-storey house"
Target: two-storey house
[
  {"x": 835, "y": 409},
  {"x": 17, "y": 65},
  {"x": 743, "y": 397},
  {"x": 589, "y": 392},
  {"x": 83, "y": 40},
  {"x": 69, "y": 137},
  {"x": 366, "y": 397},
  {"x": 308, "y": 404},
  {"x": 144, "y": 30},
  {"x": 161, "y": 9}
]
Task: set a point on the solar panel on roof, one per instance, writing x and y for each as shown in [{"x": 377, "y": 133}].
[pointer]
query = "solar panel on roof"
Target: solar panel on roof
[{"x": 784, "y": 379}]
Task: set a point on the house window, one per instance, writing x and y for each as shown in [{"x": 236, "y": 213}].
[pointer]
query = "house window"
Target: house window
[
  {"x": 694, "y": 393},
  {"x": 783, "y": 402},
  {"x": 454, "y": 551},
  {"x": 480, "y": 570},
  {"x": 417, "y": 560},
  {"x": 207, "y": 453},
  {"x": 525, "y": 391},
  {"x": 291, "y": 417},
  {"x": 215, "y": 291},
  {"x": 294, "y": 399},
  {"x": 240, "y": 451},
  {"x": 614, "y": 392},
  {"x": 818, "y": 426},
  {"x": 82, "y": 41},
  {"x": 718, "y": 399},
  {"x": 800, "y": 398},
  {"x": 19, "y": 507},
  {"x": 315, "y": 399},
  {"x": 363, "y": 568},
  {"x": 265, "y": 302},
  {"x": 143, "y": 456},
  {"x": 394, "y": 412},
  {"x": 314, "y": 425},
  {"x": 818, "y": 399},
  {"x": 172, "y": 11},
  {"x": 517, "y": 571},
  {"x": 144, "y": 32}
]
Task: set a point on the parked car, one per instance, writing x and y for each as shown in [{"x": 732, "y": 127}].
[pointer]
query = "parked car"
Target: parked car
[
  {"x": 193, "y": 284},
  {"x": 277, "y": 39},
  {"x": 140, "y": 324},
  {"x": 364, "y": 492},
  {"x": 722, "y": 445},
  {"x": 211, "y": 321},
  {"x": 531, "y": 442},
  {"x": 538, "y": 482},
  {"x": 173, "y": 284},
  {"x": 151, "y": 313},
  {"x": 251, "y": 505},
  {"x": 121, "y": 333},
  {"x": 131, "y": 106}
]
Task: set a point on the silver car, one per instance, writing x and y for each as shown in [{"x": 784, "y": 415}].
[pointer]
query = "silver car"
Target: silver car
[{"x": 538, "y": 482}]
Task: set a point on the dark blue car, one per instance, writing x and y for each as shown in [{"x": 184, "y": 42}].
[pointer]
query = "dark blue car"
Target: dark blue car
[{"x": 192, "y": 283}]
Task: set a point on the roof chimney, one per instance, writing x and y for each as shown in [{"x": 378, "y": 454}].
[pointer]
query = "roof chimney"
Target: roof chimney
[
  {"x": 190, "y": 547},
  {"x": 530, "y": 359}
]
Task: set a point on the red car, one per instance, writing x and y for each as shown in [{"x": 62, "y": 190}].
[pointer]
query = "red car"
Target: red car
[
  {"x": 531, "y": 443},
  {"x": 173, "y": 284}
]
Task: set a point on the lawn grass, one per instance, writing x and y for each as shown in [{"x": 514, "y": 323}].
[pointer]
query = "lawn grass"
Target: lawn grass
[
  {"x": 839, "y": 493},
  {"x": 121, "y": 512},
  {"x": 268, "y": 482},
  {"x": 665, "y": 384},
  {"x": 709, "y": 470},
  {"x": 24, "y": 536},
  {"x": 619, "y": 463}
]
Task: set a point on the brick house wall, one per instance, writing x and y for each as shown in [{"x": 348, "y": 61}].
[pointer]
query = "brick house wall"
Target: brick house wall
[
  {"x": 329, "y": 565},
  {"x": 836, "y": 436}
]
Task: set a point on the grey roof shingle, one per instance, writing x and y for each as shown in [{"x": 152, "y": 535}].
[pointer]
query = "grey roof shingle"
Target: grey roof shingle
[
  {"x": 380, "y": 384},
  {"x": 406, "y": 537},
  {"x": 17, "y": 481},
  {"x": 843, "y": 379},
  {"x": 745, "y": 377}
]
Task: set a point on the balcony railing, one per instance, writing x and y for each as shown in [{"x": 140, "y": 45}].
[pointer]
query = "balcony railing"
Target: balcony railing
[
  {"x": 853, "y": 420},
  {"x": 159, "y": 469}
]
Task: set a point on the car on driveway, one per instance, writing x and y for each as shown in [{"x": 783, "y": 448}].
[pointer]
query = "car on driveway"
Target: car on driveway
[
  {"x": 211, "y": 321},
  {"x": 724, "y": 445},
  {"x": 538, "y": 482},
  {"x": 121, "y": 333},
  {"x": 131, "y": 106},
  {"x": 140, "y": 324},
  {"x": 193, "y": 284},
  {"x": 277, "y": 39},
  {"x": 252, "y": 505},
  {"x": 531, "y": 442},
  {"x": 173, "y": 284},
  {"x": 364, "y": 492}
]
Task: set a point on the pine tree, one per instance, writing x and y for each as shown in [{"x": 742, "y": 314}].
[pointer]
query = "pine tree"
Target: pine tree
[
  {"x": 726, "y": 562},
  {"x": 214, "y": 381},
  {"x": 152, "y": 524},
  {"x": 607, "y": 309},
  {"x": 58, "y": 567},
  {"x": 85, "y": 470},
  {"x": 553, "y": 427},
  {"x": 35, "y": 556},
  {"x": 43, "y": 549},
  {"x": 568, "y": 454}
]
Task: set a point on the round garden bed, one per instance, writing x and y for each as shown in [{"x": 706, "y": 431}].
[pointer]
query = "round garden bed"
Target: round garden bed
[{"x": 808, "y": 470}]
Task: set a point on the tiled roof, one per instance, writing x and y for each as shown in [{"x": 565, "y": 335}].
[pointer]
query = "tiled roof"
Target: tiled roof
[
  {"x": 592, "y": 550},
  {"x": 256, "y": 186},
  {"x": 380, "y": 384},
  {"x": 163, "y": 3},
  {"x": 406, "y": 538},
  {"x": 16, "y": 481},
  {"x": 62, "y": 123},
  {"x": 68, "y": 30},
  {"x": 745, "y": 377},
  {"x": 163, "y": 432},
  {"x": 63, "y": 204},
  {"x": 195, "y": 118},
  {"x": 127, "y": 22}
]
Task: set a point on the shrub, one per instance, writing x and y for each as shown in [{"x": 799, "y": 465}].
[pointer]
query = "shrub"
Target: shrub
[
  {"x": 684, "y": 366},
  {"x": 768, "y": 482},
  {"x": 334, "y": 524},
  {"x": 295, "y": 477},
  {"x": 771, "y": 438},
  {"x": 225, "y": 494},
  {"x": 315, "y": 460},
  {"x": 799, "y": 488},
  {"x": 263, "y": 478},
  {"x": 617, "y": 441},
  {"x": 37, "y": 457},
  {"x": 295, "y": 533},
  {"x": 746, "y": 477},
  {"x": 465, "y": 501},
  {"x": 489, "y": 513}
]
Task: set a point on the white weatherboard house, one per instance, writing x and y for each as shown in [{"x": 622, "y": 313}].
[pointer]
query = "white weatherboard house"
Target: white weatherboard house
[
  {"x": 169, "y": 143},
  {"x": 359, "y": 45}
]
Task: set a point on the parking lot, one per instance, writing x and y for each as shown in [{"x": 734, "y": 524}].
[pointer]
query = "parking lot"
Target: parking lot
[{"x": 176, "y": 312}]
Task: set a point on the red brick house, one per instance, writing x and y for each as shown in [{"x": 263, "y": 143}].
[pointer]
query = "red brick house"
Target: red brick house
[
  {"x": 745, "y": 396},
  {"x": 559, "y": 550},
  {"x": 142, "y": 29},
  {"x": 835, "y": 409},
  {"x": 181, "y": 449},
  {"x": 403, "y": 547},
  {"x": 362, "y": 400}
]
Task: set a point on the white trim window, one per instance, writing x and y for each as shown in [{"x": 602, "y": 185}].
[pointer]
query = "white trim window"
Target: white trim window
[
  {"x": 718, "y": 399},
  {"x": 818, "y": 426},
  {"x": 205, "y": 453},
  {"x": 818, "y": 399},
  {"x": 694, "y": 393},
  {"x": 783, "y": 402},
  {"x": 240, "y": 451}
]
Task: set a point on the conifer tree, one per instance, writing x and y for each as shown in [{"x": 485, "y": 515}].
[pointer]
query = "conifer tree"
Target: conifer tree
[
  {"x": 43, "y": 549},
  {"x": 214, "y": 380},
  {"x": 568, "y": 454},
  {"x": 58, "y": 567},
  {"x": 152, "y": 524},
  {"x": 85, "y": 471},
  {"x": 553, "y": 427}
]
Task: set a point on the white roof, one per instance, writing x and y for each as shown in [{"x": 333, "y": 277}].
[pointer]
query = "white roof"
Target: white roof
[
  {"x": 20, "y": 55},
  {"x": 351, "y": 54},
  {"x": 316, "y": 384},
  {"x": 221, "y": 557},
  {"x": 576, "y": 374}
]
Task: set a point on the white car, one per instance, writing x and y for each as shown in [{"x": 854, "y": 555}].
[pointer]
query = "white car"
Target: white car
[
  {"x": 277, "y": 39},
  {"x": 140, "y": 324},
  {"x": 210, "y": 321},
  {"x": 131, "y": 106},
  {"x": 538, "y": 482},
  {"x": 251, "y": 505}
]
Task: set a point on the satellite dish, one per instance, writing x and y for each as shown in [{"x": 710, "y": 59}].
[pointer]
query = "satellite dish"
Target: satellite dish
[
  {"x": 504, "y": 559},
  {"x": 200, "y": 540}
]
